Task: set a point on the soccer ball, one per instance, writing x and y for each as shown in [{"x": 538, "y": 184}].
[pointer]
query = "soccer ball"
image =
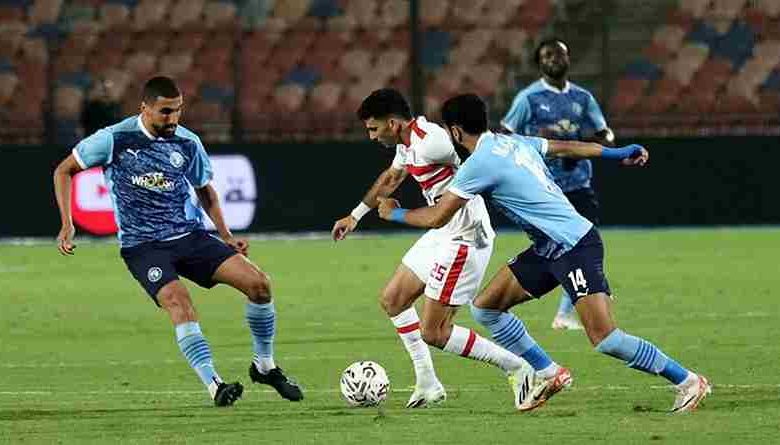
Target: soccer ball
[{"x": 364, "y": 384}]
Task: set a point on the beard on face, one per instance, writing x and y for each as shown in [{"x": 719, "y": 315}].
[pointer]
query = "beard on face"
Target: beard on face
[
  {"x": 165, "y": 131},
  {"x": 555, "y": 70}
]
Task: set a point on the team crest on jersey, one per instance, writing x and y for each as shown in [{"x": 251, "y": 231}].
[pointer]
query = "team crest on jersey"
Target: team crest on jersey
[
  {"x": 576, "y": 108},
  {"x": 154, "y": 274},
  {"x": 177, "y": 160}
]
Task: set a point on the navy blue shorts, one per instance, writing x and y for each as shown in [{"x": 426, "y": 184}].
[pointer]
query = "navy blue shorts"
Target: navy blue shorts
[
  {"x": 585, "y": 203},
  {"x": 580, "y": 271},
  {"x": 195, "y": 257}
]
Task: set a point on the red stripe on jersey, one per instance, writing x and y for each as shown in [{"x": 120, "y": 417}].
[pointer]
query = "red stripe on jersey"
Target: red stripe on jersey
[
  {"x": 452, "y": 276},
  {"x": 417, "y": 130},
  {"x": 445, "y": 173},
  {"x": 408, "y": 328},
  {"x": 469, "y": 344},
  {"x": 421, "y": 170}
]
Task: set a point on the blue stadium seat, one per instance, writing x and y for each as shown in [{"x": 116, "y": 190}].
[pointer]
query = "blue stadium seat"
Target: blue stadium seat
[
  {"x": 773, "y": 81},
  {"x": 304, "y": 76},
  {"x": 737, "y": 44},
  {"x": 643, "y": 69},
  {"x": 215, "y": 94},
  {"x": 703, "y": 33},
  {"x": 324, "y": 8},
  {"x": 435, "y": 48}
]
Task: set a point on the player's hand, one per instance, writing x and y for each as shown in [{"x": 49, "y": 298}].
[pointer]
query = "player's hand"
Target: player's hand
[
  {"x": 386, "y": 206},
  {"x": 342, "y": 227},
  {"x": 65, "y": 240},
  {"x": 638, "y": 158},
  {"x": 240, "y": 245}
]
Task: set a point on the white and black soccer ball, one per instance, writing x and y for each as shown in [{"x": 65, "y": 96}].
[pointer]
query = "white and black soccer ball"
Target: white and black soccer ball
[{"x": 364, "y": 384}]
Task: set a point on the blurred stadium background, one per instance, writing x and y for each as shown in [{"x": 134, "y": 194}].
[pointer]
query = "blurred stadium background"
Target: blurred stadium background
[{"x": 276, "y": 83}]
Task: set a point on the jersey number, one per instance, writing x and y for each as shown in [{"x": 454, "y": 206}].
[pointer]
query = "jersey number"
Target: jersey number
[
  {"x": 438, "y": 272},
  {"x": 578, "y": 281}
]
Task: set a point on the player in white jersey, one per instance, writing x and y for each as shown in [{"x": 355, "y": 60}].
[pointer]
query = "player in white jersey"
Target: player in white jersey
[{"x": 446, "y": 264}]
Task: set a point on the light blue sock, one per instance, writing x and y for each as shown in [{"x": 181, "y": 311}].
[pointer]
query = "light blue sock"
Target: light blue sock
[
  {"x": 196, "y": 350},
  {"x": 261, "y": 319},
  {"x": 565, "y": 306},
  {"x": 640, "y": 354},
  {"x": 509, "y": 332}
]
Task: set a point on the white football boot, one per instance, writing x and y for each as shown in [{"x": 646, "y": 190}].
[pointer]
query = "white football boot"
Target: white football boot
[
  {"x": 691, "y": 394},
  {"x": 567, "y": 321},
  {"x": 543, "y": 389},
  {"x": 428, "y": 396}
]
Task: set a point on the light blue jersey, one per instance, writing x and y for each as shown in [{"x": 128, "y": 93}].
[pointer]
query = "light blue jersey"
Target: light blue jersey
[
  {"x": 148, "y": 178},
  {"x": 510, "y": 171},
  {"x": 569, "y": 114}
]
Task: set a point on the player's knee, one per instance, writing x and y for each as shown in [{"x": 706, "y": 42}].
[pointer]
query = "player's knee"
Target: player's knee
[
  {"x": 176, "y": 301},
  {"x": 391, "y": 302},
  {"x": 609, "y": 343},
  {"x": 259, "y": 289},
  {"x": 432, "y": 335}
]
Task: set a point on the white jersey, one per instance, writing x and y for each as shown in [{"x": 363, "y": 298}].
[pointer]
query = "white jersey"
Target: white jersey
[{"x": 431, "y": 159}]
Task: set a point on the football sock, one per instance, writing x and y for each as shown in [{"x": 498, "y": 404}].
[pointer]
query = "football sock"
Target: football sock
[
  {"x": 467, "y": 343},
  {"x": 261, "y": 319},
  {"x": 509, "y": 332},
  {"x": 196, "y": 350},
  {"x": 640, "y": 354},
  {"x": 565, "y": 306},
  {"x": 407, "y": 324}
]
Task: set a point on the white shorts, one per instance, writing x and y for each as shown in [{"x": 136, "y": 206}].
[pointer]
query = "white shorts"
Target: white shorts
[{"x": 451, "y": 270}]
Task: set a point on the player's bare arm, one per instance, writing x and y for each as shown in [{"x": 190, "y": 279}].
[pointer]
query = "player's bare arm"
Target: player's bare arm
[
  {"x": 384, "y": 186},
  {"x": 209, "y": 200},
  {"x": 629, "y": 155},
  {"x": 426, "y": 217},
  {"x": 62, "y": 178}
]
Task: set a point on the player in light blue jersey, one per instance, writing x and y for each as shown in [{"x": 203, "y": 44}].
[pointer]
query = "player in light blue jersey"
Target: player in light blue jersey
[
  {"x": 150, "y": 164},
  {"x": 567, "y": 249},
  {"x": 555, "y": 108}
]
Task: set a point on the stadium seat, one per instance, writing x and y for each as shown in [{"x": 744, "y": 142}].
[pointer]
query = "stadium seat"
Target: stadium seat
[
  {"x": 220, "y": 15},
  {"x": 35, "y": 50},
  {"x": 690, "y": 57},
  {"x": 486, "y": 77},
  {"x": 727, "y": 9},
  {"x": 188, "y": 15},
  {"x": 513, "y": 41},
  {"x": 289, "y": 97},
  {"x": 11, "y": 13},
  {"x": 770, "y": 7},
  {"x": 433, "y": 12},
  {"x": 696, "y": 8},
  {"x": 141, "y": 64},
  {"x": 174, "y": 64},
  {"x": 393, "y": 14},
  {"x": 670, "y": 37},
  {"x": 12, "y": 34},
  {"x": 44, "y": 11},
  {"x": 8, "y": 83},
  {"x": 534, "y": 14},
  {"x": 149, "y": 13},
  {"x": 356, "y": 62},
  {"x": 290, "y": 11},
  {"x": 68, "y": 102},
  {"x": 114, "y": 16},
  {"x": 325, "y": 97}
]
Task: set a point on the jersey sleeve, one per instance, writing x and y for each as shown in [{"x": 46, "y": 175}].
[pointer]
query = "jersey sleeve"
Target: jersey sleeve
[
  {"x": 94, "y": 150},
  {"x": 473, "y": 177},
  {"x": 199, "y": 172},
  {"x": 398, "y": 160},
  {"x": 595, "y": 115},
  {"x": 519, "y": 114}
]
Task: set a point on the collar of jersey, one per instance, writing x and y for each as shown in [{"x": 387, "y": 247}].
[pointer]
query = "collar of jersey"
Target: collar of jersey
[
  {"x": 484, "y": 135},
  {"x": 549, "y": 87},
  {"x": 145, "y": 131}
]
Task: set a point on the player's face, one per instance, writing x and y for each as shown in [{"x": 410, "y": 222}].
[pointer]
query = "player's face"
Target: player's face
[
  {"x": 385, "y": 131},
  {"x": 163, "y": 115},
  {"x": 554, "y": 60}
]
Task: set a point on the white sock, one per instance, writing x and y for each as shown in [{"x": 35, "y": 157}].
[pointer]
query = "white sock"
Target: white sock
[
  {"x": 548, "y": 372},
  {"x": 264, "y": 364},
  {"x": 468, "y": 343},
  {"x": 407, "y": 324}
]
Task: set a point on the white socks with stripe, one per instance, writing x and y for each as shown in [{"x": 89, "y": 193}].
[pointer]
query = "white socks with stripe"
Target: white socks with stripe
[
  {"x": 467, "y": 343},
  {"x": 407, "y": 324}
]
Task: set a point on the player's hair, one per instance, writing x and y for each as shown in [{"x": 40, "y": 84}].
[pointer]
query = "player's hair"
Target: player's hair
[
  {"x": 160, "y": 86},
  {"x": 384, "y": 103},
  {"x": 467, "y": 111},
  {"x": 546, "y": 42}
]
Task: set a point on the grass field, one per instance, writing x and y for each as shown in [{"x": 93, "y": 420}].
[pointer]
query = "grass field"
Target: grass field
[{"x": 86, "y": 358}]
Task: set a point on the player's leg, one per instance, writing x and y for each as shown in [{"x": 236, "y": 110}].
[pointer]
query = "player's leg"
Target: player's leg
[
  {"x": 491, "y": 310},
  {"x": 581, "y": 271},
  {"x": 397, "y": 300},
  {"x": 586, "y": 204},
  {"x": 241, "y": 274},
  {"x": 152, "y": 265}
]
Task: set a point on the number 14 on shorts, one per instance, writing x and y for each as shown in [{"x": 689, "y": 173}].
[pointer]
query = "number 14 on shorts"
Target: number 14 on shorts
[{"x": 578, "y": 282}]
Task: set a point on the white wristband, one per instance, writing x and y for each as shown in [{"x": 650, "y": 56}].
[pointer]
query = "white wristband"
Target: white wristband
[{"x": 360, "y": 211}]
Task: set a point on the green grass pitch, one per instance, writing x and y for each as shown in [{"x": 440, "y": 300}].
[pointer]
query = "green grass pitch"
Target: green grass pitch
[{"x": 85, "y": 357}]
